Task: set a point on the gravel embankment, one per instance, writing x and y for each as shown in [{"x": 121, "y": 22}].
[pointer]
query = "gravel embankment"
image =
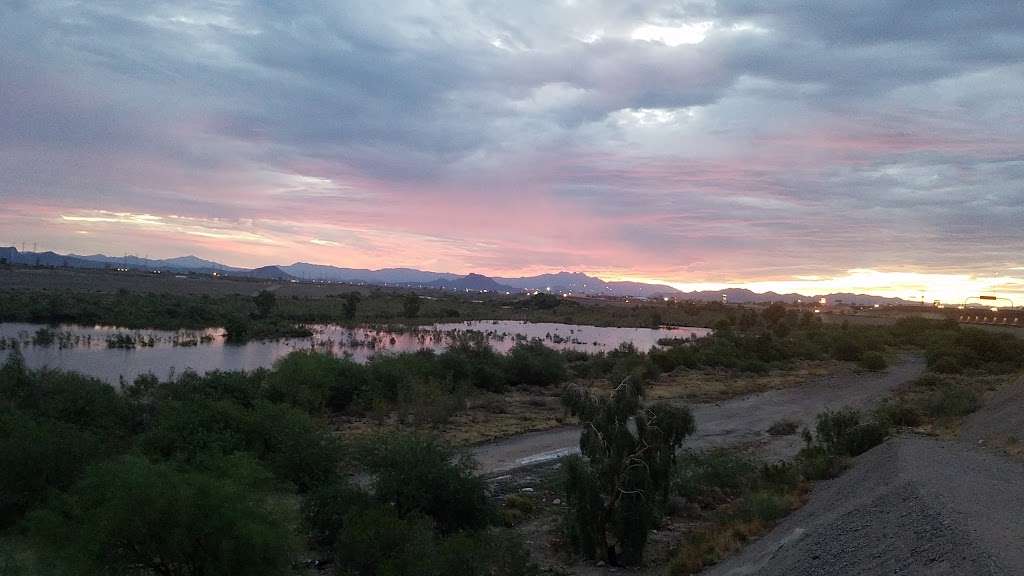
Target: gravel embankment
[{"x": 910, "y": 506}]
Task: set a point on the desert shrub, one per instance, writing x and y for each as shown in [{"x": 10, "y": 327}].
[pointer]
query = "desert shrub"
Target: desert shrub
[
  {"x": 535, "y": 364},
  {"x": 131, "y": 516},
  {"x": 306, "y": 379},
  {"x": 953, "y": 400},
  {"x": 765, "y": 506},
  {"x": 429, "y": 402},
  {"x": 379, "y": 541},
  {"x": 784, "y": 427},
  {"x": 715, "y": 473},
  {"x": 843, "y": 433},
  {"x": 898, "y": 413},
  {"x": 817, "y": 463},
  {"x": 848, "y": 350},
  {"x": 84, "y": 402},
  {"x": 475, "y": 365},
  {"x": 974, "y": 349},
  {"x": 325, "y": 510},
  {"x": 417, "y": 474},
  {"x": 873, "y": 361},
  {"x": 292, "y": 445},
  {"x": 39, "y": 456},
  {"x": 945, "y": 364},
  {"x": 517, "y": 508},
  {"x": 753, "y": 366}
]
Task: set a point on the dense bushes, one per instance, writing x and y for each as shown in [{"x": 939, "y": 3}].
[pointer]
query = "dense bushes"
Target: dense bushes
[
  {"x": 37, "y": 456},
  {"x": 129, "y": 513},
  {"x": 535, "y": 364},
  {"x": 205, "y": 475},
  {"x": 415, "y": 474}
]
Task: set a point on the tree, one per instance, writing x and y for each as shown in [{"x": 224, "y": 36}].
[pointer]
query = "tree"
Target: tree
[
  {"x": 265, "y": 302},
  {"x": 351, "y": 303},
  {"x": 615, "y": 489},
  {"x": 131, "y": 516},
  {"x": 411, "y": 305}
]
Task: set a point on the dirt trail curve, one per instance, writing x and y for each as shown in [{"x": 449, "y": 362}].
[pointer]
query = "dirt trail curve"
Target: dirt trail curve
[{"x": 740, "y": 421}]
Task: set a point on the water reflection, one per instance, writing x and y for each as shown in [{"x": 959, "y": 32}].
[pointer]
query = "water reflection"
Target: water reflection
[{"x": 112, "y": 353}]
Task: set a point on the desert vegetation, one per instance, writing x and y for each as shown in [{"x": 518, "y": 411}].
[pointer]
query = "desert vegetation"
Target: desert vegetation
[
  {"x": 225, "y": 475},
  {"x": 245, "y": 472}
]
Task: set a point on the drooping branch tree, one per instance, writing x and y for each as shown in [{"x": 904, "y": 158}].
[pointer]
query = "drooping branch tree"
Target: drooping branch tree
[{"x": 617, "y": 488}]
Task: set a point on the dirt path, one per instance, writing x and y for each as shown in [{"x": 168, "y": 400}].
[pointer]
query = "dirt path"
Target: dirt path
[{"x": 741, "y": 421}]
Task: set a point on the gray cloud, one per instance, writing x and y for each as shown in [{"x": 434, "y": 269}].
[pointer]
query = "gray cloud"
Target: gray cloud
[{"x": 894, "y": 127}]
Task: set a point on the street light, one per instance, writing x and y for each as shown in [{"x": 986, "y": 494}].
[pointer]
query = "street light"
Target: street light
[{"x": 989, "y": 299}]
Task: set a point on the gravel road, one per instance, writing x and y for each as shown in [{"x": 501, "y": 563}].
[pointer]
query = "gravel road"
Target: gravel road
[
  {"x": 741, "y": 421},
  {"x": 912, "y": 506}
]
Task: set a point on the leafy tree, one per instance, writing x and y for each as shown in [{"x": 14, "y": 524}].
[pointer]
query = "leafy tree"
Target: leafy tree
[
  {"x": 265, "y": 303},
  {"x": 628, "y": 451},
  {"x": 411, "y": 305},
  {"x": 131, "y": 516}
]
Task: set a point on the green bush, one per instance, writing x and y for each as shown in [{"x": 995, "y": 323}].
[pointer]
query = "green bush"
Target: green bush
[
  {"x": 715, "y": 473},
  {"x": 305, "y": 379},
  {"x": 843, "y": 433},
  {"x": 535, "y": 364},
  {"x": 953, "y": 400},
  {"x": 417, "y": 474},
  {"x": 289, "y": 443},
  {"x": 765, "y": 506},
  {"x": 378, "y": 541},
  {"x": 873, "y": 361},
  {"x": 39, "y": 456},
  {"x": 847, "y": 350},
  {"x": 325, "y": 511},
  {"x": 817, "y": 463},
  {"x": 945, "y": 365},
  {"x": 898, "y": 413},
  {"x": 84, "y": 402},
  {"x": 784, "y": 427},
  {"x": 131, "y": 516}
]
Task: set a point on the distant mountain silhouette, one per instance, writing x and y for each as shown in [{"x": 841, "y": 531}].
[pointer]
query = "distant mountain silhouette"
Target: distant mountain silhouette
[
  {"x": 267, "y": 273},
  {"x": 561, "y": 282},
  {"x": 472, "y": 282},
  {"x": 184, "y": 263},
  {"x": 580, "y": 283},
  {"x": 308, "y": 271}
]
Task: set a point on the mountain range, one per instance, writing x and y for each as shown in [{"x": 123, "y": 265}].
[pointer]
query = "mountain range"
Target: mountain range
[{"x": 561, "y": 282}]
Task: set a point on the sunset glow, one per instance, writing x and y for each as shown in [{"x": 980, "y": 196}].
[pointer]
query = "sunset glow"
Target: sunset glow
[{"x": 815, "y": 149}]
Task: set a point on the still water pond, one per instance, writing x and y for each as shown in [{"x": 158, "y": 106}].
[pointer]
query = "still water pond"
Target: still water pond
[{"x": 112, "y": 353}]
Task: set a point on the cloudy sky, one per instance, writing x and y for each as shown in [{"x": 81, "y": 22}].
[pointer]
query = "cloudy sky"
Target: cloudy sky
[{"x": 875, "y": 145}]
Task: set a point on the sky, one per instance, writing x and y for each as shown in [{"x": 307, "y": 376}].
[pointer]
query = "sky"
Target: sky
[{"x": 867, "y": 145}]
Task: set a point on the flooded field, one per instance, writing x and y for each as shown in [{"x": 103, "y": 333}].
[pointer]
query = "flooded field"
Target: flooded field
[{"x": 112, "y": 353}]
